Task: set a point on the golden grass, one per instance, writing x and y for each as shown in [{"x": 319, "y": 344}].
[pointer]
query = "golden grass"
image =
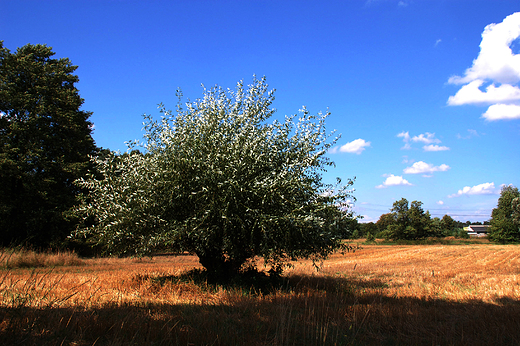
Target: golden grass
[
  {"x": 23, "y": 258},
  {"x": 382, "y": 294}
]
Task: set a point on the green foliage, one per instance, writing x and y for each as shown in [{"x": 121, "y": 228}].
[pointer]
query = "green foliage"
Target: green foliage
[
  {"x": 436, "y": 227},
  {"x": 516, "y": 210},
  {"x": 460, "y": 233},
  {"x": 409, "y": 223},
  {"x": 220, "y": 181},
  {"x": 368, "y": 227},
  {"x": 448, "y": 224},
  {"x": 505, "y": 225},
  {"x": 384, "y": 221},
  {"x": 45, "y": 143},
  {"x": 370, "y": 237}
]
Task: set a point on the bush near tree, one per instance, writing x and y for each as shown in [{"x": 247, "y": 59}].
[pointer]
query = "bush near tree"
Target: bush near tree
[
  {"x": 219, "y": 180},
  {"x": 45, "y": 143},
  {"x": 505, "y": 218}
]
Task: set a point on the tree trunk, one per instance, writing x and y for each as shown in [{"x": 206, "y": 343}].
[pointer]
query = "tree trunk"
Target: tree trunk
[{"x": 219, "y": 267}]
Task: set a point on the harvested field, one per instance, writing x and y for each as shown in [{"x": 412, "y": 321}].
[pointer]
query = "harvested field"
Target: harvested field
[{"x": 382, "y": 294}]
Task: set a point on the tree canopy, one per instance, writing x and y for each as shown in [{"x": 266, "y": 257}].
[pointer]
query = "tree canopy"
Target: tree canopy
[
  {"x": 219, "y": 180},
  {"x": 45, "y": 141},
  {"x": 505, "y": 220},
  {"x": 410, "y": 222}
]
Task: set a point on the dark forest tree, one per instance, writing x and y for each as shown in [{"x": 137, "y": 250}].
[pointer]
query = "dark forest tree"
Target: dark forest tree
[
  {"x": 222, "y": 182},
  {"x": 45, "y": 141}
]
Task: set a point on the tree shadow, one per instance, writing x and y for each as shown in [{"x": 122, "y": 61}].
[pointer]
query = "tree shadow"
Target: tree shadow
[{"x": 304, "y": 310}]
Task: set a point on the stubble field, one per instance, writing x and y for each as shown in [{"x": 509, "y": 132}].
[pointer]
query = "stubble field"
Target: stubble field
[{"x": 381, "y": 294}]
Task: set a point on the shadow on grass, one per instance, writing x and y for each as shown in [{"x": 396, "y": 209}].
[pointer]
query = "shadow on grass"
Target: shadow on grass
[
  {"x": 304, "y": 310},
  {"x": 254, "y": 282}
]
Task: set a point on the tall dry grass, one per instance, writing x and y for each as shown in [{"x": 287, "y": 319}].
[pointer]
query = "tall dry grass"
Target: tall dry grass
[
  {"x": 437, "y": 294},
  {"x": 24, "y": 258}
]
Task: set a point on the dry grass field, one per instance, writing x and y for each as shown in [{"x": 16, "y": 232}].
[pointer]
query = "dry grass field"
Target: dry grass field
[{"x": 379, "y": 295}]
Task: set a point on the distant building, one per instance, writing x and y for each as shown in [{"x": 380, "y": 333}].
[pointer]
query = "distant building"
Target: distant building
[{"x": 477, "y": 230}]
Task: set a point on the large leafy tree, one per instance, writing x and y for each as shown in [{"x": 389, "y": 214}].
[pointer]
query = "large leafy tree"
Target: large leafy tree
[
  {"x": 410, "y": 221},
  {"x": 45, "y": 141},
  {"x": 221, "y": 181},
  {"x": 505, "y": 221}
]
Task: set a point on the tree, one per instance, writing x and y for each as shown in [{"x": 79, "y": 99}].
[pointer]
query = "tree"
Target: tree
[
  {"x": 436, "y": 227},
  {"x": 384, "y": 221},
  {"x": 448, "y": 224},
  {"x": 369, "y": 228},
  {"x": 516, "y": 211},
  {"x": 45, "y": 141},
  {"x": 504, "y": 218},
  {"x": 409, "y": 222},
  {"x": 220, "y": 181}
]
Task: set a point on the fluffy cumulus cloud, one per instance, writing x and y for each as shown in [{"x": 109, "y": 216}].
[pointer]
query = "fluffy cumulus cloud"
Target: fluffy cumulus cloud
[
  {"x": 393, "y": 180},
  {"x": 421, "y": 167},
  {"x": 494, "y": 77},
  {"x": 472, "y": 94},
  {"x": 481, "y": 189},
  {"x": 426, "y": 138},
  {"x": 502, "y": 111},
  {"x": 355, "y": 147}
]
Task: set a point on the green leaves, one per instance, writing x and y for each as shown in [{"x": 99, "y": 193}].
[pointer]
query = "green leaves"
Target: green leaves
[
  {"x": 220, "y": 181},
  {"x": 505, "y": 225},
  {"x": 407, "y": 222},
  {"x": 45, "y": 141}
]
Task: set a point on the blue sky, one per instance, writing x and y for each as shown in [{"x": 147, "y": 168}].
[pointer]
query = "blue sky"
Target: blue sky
[{"x": 424, "y": 93}]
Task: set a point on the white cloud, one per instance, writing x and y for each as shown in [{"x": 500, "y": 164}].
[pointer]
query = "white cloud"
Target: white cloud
[
  {"x": 481, "y": 189},
  {"x": 434, "y": 147},
  {"x": 440, "y": 203},
  {"x": 471, "y": 94},
  {"x": 498, "y": 65},
  {"x": 421, "y": 167},
  {"x": 393, "y": 180},
  {"x": 406, "y": 139},
  {"x": 405, "y": 135},
  {"x": 355, "y": 147},
  {"x": 426, "y": 138},
  {"x": 502, "y": 112},
  {"x": 496, "y": 60},
  {"x": 438, "y": 42}
]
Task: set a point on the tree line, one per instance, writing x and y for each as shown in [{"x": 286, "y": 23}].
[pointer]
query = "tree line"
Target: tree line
[
  {"x": 217, "y": 177},
  {"x": 409, "y": 221}
]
